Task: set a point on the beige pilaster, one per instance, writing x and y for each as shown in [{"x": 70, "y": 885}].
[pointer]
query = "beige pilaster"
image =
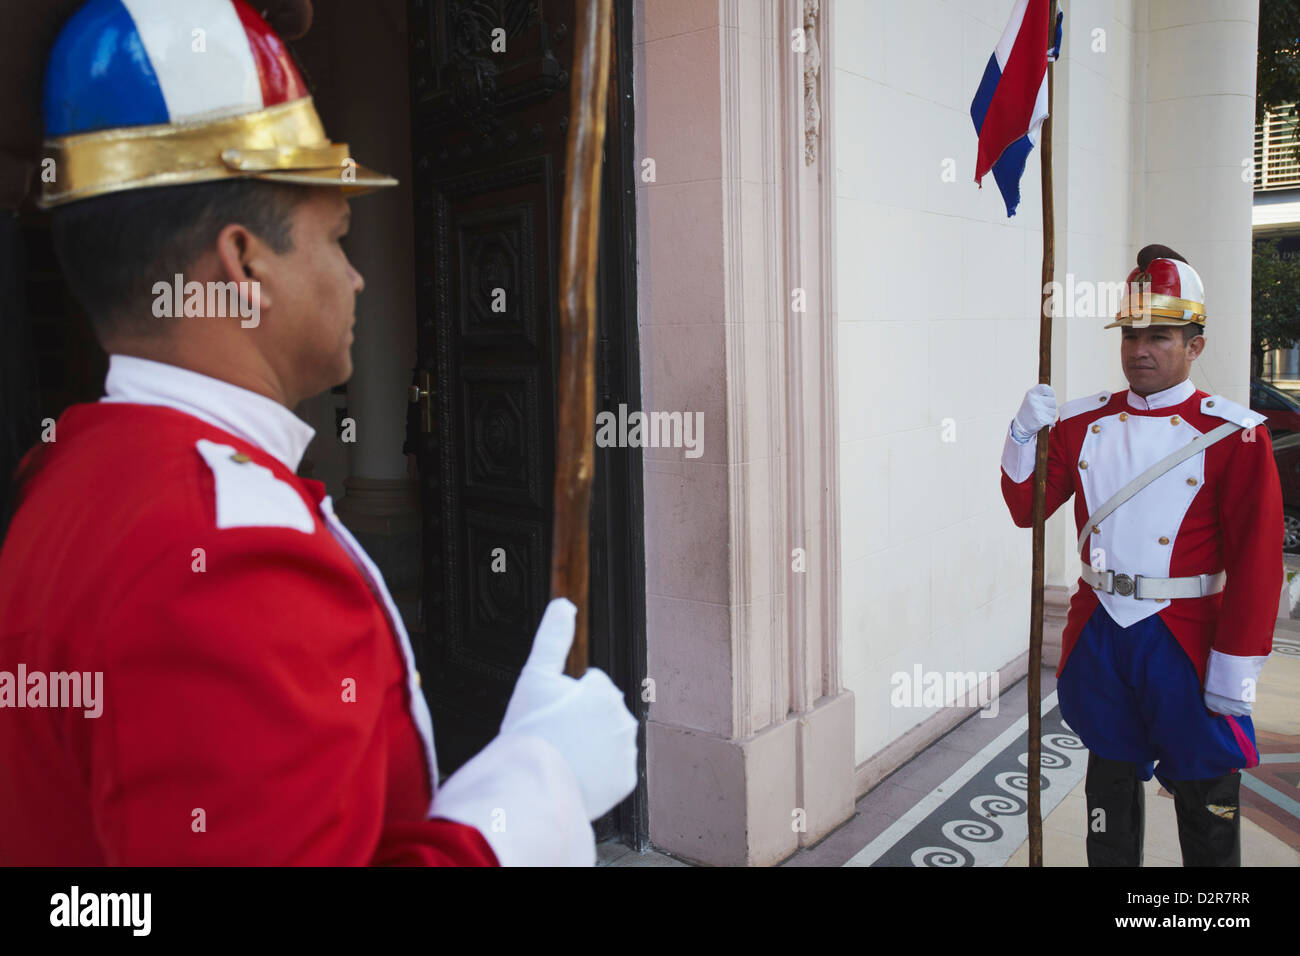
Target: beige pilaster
[{"x": 750, "y": 737}]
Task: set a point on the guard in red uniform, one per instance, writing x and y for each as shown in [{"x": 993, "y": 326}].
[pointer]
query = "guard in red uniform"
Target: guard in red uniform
[
  {"x": 198, "y": 662},
  {"x": 1178, "y": 508}
]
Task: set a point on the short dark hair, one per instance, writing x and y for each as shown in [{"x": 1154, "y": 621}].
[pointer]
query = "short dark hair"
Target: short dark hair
[
  {"x": 1190, "y": 331},
  {"x": 114, "y": 248}
]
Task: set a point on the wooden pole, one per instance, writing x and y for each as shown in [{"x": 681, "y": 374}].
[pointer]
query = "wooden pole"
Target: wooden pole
[
  {"x": 1040, "y": 482},
  {"x": 576, "y": 387}
]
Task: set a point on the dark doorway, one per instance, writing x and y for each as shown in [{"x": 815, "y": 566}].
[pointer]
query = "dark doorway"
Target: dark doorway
[{"x": 490, "y": 103}]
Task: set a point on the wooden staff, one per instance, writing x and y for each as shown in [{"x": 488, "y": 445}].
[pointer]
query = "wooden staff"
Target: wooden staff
[
  {"x": 579, "y": 232},
  {"x": 1035, "y": 812}
]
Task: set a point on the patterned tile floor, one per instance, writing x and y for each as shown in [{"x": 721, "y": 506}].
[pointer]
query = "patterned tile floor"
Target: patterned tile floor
[{"x": 957, "y": 803}]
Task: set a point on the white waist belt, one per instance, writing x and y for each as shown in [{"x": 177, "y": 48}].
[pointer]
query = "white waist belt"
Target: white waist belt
[{"x": 1143, "y": 588}]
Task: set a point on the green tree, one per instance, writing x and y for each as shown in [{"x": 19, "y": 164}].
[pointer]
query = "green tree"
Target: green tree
[
  {"x": 1275, "y": 281},
  {"x": 1277, "y": 73},
  {"x": 1274, "y": 302}
]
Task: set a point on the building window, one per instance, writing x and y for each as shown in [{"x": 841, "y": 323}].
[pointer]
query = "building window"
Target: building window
[{"x": 1276, "y": 138}]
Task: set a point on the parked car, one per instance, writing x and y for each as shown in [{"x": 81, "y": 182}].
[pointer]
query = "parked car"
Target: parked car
[
  {"x": 1283, "y": 420},
  {"x": 1286, "y": 452},
  {"x": 1282, "y": 411}
]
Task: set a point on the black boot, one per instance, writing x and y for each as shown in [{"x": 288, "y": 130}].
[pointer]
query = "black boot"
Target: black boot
[
  {"x": 1116, "y": 802},
  {"x": 1209, "y": 820}
]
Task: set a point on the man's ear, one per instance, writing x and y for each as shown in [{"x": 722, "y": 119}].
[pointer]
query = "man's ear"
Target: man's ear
[
  {"x": 1195, "y": 347},
  {"x": 234, "y": 252},
  {"x": 241, "y": 257}
]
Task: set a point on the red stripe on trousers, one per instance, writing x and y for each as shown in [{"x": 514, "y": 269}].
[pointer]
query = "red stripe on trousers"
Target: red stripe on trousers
[{"x": 1247, "y": 748}]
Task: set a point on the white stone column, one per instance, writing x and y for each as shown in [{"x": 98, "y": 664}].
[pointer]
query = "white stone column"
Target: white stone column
[
  {"x": 1200, "y": 134},
  {"x": 750, "y": 738}
]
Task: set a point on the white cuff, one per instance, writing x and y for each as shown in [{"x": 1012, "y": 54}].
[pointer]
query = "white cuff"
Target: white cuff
[
  {"x": 1018, "y": 459},
  {"x": 521, "y": 795},
  {"x": 1233, "y": 677}
]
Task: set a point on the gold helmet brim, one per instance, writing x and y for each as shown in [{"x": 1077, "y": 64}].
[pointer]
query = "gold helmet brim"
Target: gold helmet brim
[
  {"x": 283, "y": 143},
  {"x": 358, "y": 181},
  {"x": 1146, "y": 309}
]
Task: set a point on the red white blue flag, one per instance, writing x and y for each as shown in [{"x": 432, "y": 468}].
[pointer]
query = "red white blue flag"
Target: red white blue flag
[{"x": 1011, "y": 103}]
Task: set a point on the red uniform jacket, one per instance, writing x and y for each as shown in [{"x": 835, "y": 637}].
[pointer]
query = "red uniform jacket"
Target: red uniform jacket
[
  {"x": 1221, "y": 510},
  {"x": 259, "y": 705}
]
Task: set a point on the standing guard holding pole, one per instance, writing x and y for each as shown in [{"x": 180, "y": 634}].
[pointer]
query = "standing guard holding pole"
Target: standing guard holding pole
[{"x": 1179, "y": 510}]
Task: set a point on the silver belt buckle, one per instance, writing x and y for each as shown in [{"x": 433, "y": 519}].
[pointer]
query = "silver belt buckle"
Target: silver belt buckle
[{"x": 1124, "y": 585}]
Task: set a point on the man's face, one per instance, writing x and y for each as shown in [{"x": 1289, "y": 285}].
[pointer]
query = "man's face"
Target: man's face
[
  {"x": 309, "y": 297},
  {"x": 1155, "y": 358}
]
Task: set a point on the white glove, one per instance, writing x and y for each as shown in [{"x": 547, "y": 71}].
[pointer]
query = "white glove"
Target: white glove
[
  {"x": 585, "y": 719},
  {"x": 1037, "y": 411},
  {"x": 1226, "y": 705}
]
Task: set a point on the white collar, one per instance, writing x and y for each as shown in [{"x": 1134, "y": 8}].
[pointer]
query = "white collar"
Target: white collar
[
  {"x": 255, "y": 418},
  {"x": 1170, "y": 396}
]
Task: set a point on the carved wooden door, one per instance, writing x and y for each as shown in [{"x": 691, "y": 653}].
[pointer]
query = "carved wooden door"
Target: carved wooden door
[{"x": 490, "y": 103}]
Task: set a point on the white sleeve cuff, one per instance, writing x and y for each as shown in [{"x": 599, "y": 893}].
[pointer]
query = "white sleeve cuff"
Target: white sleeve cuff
[
  {"x": 1233, "y": 677},
  {"x": 1018, "y": 459},
  {"x": 521, "y": 795}
]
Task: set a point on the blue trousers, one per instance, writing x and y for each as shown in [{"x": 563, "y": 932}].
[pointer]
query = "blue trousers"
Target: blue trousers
[{"x": 1132, "y": 694}]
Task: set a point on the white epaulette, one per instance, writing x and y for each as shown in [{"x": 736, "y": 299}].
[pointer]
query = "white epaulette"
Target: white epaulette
[
  {"x": 1081, "y": 405},
  {"x": 1220, "y": 407},
  {"x": 249, "y": 495}
]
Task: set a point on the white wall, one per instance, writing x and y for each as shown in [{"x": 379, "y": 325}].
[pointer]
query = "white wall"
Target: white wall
[{"x": 939, "y": 292}]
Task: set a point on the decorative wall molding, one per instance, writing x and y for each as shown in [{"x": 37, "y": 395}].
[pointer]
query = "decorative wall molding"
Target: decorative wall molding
[
  {"x": 737, "y": 385},
  {"x": 806, "y": 260},
  {"x": 794, "y": 384},
  {"x": 795, "y": 649},
  {"x": 827, "y": 498},
  {"x": 812, "y": 68}
]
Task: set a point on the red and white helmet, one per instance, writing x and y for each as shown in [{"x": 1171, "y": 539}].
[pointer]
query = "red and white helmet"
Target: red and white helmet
[{"x": 1162, "y": 290}]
